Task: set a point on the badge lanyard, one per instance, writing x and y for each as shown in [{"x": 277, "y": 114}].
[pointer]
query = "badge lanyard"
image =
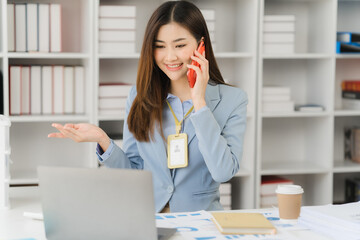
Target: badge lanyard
[{"x": 177, "y": 143}]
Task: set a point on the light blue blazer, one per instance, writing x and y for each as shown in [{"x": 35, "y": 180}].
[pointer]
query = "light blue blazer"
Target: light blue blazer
[{"x": 215, "y": 146}]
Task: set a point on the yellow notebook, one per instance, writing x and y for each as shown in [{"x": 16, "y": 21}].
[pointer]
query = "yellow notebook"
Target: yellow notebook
[{"x": 242, "y": 223}]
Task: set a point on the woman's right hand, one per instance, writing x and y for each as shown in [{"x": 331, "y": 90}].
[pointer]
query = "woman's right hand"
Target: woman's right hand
[{"x": 82, "y": 132}]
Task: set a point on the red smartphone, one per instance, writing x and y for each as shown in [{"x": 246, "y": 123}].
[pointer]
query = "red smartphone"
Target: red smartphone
[{"x": 191, "y": 74}]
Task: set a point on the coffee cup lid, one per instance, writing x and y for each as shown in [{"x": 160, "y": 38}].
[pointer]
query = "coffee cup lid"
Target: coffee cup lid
[{"x": 289, "y": 189}]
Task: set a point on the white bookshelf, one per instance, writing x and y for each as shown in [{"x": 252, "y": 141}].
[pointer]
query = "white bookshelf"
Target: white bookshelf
[
  {"x": 28, "y": 133},
  {"x": 305, "y": 147},
  {"x": 308, "y": 147}
]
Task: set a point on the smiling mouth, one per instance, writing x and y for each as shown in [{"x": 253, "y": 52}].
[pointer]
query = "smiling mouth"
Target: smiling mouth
[{"x": 174, "y": 66}]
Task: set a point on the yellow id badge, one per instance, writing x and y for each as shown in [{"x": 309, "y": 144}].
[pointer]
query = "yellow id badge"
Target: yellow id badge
[{"x": 177, "y": 151}]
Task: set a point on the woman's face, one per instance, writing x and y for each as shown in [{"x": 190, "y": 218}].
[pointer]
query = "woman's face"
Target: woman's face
[{"x": 174, "y": 45}]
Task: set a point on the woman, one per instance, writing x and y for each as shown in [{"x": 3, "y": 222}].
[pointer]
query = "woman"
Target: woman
[{"x": 188, "y": 159}]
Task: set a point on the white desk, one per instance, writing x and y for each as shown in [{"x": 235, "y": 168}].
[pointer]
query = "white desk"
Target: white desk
[{"x": 15, "y": 226}]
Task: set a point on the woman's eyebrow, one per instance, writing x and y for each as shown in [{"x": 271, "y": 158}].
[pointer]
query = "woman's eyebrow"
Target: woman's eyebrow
[{"x": 176, "y": 40}]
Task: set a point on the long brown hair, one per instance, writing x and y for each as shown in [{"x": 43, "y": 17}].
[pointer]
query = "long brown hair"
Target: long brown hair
[{"x": 152, "y": 84}]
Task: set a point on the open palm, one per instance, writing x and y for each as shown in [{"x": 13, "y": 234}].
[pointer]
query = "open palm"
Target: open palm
[{"x": 82, "y": 132}]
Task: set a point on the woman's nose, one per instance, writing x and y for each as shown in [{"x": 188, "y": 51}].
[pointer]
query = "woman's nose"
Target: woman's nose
[{"x": 171, "y": 55}]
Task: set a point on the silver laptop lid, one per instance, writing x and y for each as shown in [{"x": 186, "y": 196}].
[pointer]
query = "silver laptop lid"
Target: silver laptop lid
[{"x": 85, "y": 203}]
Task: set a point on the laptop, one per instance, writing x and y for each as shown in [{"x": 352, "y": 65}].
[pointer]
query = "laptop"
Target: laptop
[{"x": 88, "y": 203}]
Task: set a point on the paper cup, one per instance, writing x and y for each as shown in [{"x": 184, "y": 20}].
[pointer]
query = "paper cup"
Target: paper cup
[{"x": 289, "y": 201}]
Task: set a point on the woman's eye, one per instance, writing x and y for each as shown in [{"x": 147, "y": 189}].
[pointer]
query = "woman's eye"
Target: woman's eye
[
  {"x": 181, "y": 45},
  {"x": 158, "y": 46}
]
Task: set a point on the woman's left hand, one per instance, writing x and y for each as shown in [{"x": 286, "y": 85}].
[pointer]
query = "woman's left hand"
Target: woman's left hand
[{"x": 202, "y": 79}]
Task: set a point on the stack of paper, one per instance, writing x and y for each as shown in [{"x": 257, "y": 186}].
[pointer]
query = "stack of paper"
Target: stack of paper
[
  {"x": 277, "y": 99},
  {"x": 117, "y": 29},
  {"x": 336, "y": 221},
  {"x": 112, "y": 98},
  {"x": 279, "y": 34}
]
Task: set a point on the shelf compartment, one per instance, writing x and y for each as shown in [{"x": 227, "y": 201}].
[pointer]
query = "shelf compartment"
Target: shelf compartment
[
  {"x": 241, "y": 187},
  {"x": 88, "y": 73},
  {"x": 30, "y": 148},
  {"x": 339, "y": 186},
  {"x": 346, "y": 69},
  {"x": 339, "y": 124},
  {"x": 315, "y": 22},
  {"x": 118, "y": 70},
  {"x": 297, "y": 145},
  {"x": 348, "y": 16},
  {"x": 76, "y": 22},
  {"x": 235, "y": 71},
  {"x": 309, "y": 79},
  {"x": 236, "y": 36},
  {"x": 317, "y": 190}
]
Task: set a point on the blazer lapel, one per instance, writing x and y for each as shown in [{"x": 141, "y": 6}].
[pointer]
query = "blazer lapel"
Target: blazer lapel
[{"x": 212, "y": 98}]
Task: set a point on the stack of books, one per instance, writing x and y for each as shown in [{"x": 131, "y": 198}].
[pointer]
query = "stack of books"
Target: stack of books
[
  {"x": 351, "y": 94},
  {"x": 347, "y": 42},
  {"x": 352, "y": 144},
  {"x": 209, "y": 16},
  {"x": 46, "y": 90},
  {"x": 279, "y": 34},
  {"x": 112, "y": 98},
  {"x": 225, "y": 195},
  {"x": 277, "y": 99},
  {"x": 268, "y": 197},
  {"x": 117, "y": 29},
  {"x": 34, "y": 27}
]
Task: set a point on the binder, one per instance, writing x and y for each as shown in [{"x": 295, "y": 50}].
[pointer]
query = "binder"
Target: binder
[{"x": 350, "y": 47}]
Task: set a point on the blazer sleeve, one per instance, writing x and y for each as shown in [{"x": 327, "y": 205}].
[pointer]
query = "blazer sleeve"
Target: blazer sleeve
[
  {"x": 129, "y": 156},
  {"x": 222, "y": 148}
]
